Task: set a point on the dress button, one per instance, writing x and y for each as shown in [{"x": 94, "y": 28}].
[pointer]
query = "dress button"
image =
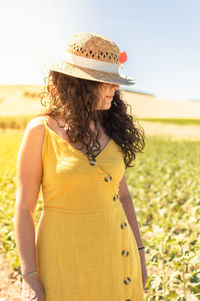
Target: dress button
[
  {"x": 125, "y": 253},
  {"x": 123, "y": 225},
  {"x": 108, "y": 178},
  {"x": 127, "y": 280},
  {"x": 92, "y": 162},
  {"x": 116, "y": 196}
]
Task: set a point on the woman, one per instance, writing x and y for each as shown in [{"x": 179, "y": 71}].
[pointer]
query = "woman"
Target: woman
[{"x": 87, "y": 245}]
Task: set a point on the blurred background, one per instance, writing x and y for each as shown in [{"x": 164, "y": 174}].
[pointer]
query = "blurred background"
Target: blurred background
[
  {"x": 161, "y": 39},
  {"x": 162, "y": 42}
]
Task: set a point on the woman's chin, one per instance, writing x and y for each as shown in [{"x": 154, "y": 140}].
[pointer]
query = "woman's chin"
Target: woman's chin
[{"x": 105, "y": 106}]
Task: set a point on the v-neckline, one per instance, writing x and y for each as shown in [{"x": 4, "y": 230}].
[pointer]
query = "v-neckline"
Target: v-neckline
[{"x": 106, "y": 147}]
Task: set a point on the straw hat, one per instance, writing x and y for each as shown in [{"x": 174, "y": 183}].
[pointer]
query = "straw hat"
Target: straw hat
[{"x": 94, "y": 57}]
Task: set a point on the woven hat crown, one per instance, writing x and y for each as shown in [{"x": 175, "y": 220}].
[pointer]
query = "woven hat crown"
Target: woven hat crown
[
  {"x": 92, "y": 56},
  {"x": 94, "y": 46}
]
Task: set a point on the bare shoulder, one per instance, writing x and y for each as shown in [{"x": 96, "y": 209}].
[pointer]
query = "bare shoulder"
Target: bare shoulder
[
  {"x": 36, "y": 128},
  {"x": 33, "y": 135},
  {"x": 36, "y": 124},
  {"x": 29, "y": 164}
]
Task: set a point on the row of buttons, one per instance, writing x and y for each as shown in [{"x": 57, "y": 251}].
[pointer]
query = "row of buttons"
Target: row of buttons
[
  {"x": 108, "y": 178},
  {"x": 127, "y": 280}
]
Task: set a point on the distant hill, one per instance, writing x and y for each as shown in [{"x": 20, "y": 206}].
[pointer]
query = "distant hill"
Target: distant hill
[
  {"x": 17, "y": 99},
  {"x": 137, "y": 91},
  {"x": 146, "y": 106},
  {"x": 24, "y": 99},
  {"x": 194, "y": 99}
]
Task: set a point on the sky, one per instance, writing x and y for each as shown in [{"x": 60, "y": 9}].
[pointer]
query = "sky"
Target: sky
[{"x": 161, "y": 39}]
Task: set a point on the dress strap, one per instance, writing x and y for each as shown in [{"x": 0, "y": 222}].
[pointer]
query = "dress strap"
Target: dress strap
[
  {"x": 45, "y": 122},
  {"x": 44, "y": 149}
]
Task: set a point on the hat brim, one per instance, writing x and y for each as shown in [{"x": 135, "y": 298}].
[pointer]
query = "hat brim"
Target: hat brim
[{"x": 90, "y": 74}]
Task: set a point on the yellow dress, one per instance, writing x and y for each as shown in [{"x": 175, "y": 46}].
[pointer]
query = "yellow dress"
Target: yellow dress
[{"x": 85, "y": 247}]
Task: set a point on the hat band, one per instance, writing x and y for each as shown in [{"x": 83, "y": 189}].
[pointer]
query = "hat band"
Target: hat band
[{"x": 90, "y": 63}]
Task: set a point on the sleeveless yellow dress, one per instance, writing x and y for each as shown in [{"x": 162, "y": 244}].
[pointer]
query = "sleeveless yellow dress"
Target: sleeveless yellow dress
[{"x": 85, "y": 247}]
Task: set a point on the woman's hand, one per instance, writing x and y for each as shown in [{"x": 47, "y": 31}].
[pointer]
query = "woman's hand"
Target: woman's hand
[{"x": 32, "y": 288}]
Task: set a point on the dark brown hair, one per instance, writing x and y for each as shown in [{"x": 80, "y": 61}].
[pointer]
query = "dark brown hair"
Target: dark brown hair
[{"x": 76, "y": 99}]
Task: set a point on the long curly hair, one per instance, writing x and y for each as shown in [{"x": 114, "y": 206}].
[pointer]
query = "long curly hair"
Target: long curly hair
[{"x": 76, "y": 99}]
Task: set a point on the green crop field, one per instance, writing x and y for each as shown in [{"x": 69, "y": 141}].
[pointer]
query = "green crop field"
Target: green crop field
[
  {"x": 165, "y": 188},
  {"x": 177, "y": 121}
]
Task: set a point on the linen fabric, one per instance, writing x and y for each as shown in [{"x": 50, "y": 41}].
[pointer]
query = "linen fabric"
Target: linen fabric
[{"x": 85, "y": 247}]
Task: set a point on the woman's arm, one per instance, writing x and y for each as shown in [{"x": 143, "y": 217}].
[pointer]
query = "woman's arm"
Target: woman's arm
[
  {"x": 127, "y": 203},
  {"x": 29, "y": 174}
]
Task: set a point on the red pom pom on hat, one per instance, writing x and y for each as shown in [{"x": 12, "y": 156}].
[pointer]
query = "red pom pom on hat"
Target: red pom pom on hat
[{"x": 123, "y": 58}]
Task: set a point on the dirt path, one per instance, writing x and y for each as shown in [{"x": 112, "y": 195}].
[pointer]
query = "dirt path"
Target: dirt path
[{"x": 10, "y": 285}]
